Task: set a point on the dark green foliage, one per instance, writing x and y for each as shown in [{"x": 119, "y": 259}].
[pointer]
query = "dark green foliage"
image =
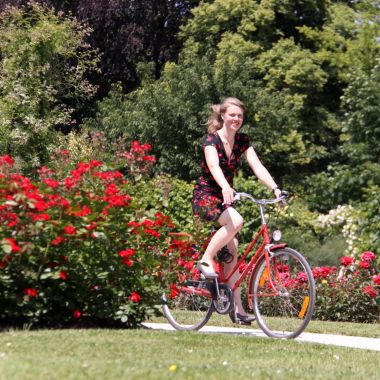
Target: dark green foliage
[{"x": 125, "y": 33}]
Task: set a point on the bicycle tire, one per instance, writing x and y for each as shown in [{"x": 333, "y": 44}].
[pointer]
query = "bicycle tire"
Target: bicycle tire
[
  {"x": 287, "y": 314},
  {"x": 190, "y": 309}
]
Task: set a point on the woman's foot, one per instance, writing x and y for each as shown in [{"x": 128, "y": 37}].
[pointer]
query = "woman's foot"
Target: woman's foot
[
  {"x": 241, "y": 319},
  {"x": 206, "y": 270}
]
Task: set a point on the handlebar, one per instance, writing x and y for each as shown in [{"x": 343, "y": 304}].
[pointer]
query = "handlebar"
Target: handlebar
[{"x": 281, "y": 198}]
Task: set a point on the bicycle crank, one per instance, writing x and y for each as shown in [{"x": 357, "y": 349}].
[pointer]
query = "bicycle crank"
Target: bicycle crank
[{"x": 224, "y": 300}]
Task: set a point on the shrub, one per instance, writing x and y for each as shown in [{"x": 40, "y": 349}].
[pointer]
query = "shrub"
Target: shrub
[
  {"x": 78, "y": 247},
  {"x": 351, "y": 293}
]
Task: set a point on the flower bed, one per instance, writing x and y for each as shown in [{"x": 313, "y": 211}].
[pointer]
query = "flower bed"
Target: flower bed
[
  {"x": 81, "y": 246},
  {"x": 78, "y": 247},
  {"x": 349, "y": 293}
]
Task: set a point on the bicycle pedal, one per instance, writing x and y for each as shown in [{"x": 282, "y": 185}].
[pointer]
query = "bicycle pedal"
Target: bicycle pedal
[
  {"x": 195, "y": 283},
  {"x": 243, "y": 323}
]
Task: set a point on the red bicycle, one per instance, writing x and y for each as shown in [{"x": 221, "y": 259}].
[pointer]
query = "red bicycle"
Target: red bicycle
[{"x": 280, "y": 286}]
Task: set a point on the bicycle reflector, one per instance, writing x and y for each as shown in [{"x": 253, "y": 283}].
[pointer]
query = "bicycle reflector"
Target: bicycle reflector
[{"x": 276, "y": 235}]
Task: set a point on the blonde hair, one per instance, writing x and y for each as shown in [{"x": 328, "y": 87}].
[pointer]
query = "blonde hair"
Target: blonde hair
[{"x": 215, "y": 120}]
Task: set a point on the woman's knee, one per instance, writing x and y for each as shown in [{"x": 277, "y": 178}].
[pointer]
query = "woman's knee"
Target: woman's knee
[
  {"x": 232, "y": 219},
  {"x": 237, "y": 221}
]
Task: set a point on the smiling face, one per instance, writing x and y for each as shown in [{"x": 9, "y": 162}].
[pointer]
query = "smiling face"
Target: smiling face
[{"x": 233, "y": 118}]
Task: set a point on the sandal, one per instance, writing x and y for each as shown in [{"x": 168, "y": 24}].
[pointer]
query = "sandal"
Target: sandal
[
  {"x": 241, "y": 319},
  {"x": 205, "y": 269}
]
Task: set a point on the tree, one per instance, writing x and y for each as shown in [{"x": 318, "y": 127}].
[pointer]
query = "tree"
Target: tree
[
  {"x": 126, "y": 32},
  {"x": 348, "y": 47},
  {"x": 251, "y": 50},
  {"x": 43, "y": 61}
]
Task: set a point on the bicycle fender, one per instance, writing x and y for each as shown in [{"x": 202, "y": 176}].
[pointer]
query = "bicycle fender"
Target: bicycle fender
[{"x": 274, "y": 247}]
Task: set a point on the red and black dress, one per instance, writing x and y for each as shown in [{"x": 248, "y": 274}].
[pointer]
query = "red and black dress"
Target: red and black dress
[{"x": 207, "y": 200}]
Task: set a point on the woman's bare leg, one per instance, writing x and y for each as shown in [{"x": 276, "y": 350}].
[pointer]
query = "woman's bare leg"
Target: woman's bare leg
[
  {"x": 231, "y": 223},
  {"x": 232, "y": 248}
]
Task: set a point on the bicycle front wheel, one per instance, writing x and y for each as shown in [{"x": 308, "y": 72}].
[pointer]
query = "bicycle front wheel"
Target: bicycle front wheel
[
  {"x": 189, "y": 306},
  {"x": 283, "y": 294}
]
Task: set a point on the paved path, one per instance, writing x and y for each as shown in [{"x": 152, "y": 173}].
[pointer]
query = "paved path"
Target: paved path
[{"x": 337, "y": 340}]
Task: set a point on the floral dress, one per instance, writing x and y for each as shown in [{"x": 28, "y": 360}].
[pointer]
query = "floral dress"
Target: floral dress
[{"x": 207, "y": 200}]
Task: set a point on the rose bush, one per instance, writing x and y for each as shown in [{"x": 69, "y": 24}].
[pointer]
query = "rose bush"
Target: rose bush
[
  {"x": 79, "y": 247},
  {"x": 89, "y": 242},
  {"x": 349, "y": 293}
]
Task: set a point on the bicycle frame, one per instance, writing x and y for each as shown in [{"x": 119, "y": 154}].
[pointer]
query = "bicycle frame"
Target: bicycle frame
[{"x": 264, "y": 249}]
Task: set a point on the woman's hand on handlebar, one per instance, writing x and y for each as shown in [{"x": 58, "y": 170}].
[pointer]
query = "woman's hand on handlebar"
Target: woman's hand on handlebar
[
  {"x": 228, "y": 195},
  {"x": 277, "y": 193},
  {"x": 281, "y": 194}
]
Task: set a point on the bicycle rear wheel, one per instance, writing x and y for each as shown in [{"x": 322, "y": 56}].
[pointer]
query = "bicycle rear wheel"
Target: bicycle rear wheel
[
  {"x": 188, "y": 306},
  {"x": 283, "y": 299}
]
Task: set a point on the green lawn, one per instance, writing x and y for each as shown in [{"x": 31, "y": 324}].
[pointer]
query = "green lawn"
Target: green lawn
[
  {"x": 340, "y": 328},
  {"x": 145, "y": 354}
]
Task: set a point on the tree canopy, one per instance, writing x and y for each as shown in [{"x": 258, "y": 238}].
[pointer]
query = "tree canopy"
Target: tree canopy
[
  {"x": 125, "y": 32},
  {"x": 307, "y": 70},
  {"x": 44, "y": 59}
]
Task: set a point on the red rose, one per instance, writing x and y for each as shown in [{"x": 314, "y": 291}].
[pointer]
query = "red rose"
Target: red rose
[
  {"x": 149, "y": 158},
  {"x": 69, "y": 182},
  {"x": 94, "y": 163},
  {"x": 6, "y": 159},
  {"x": 128, "y": 262},
  {"x": 76, "y": 314},
  {"x": 174, "y": 291},
  {"x": 69, "y": 230},
  {"x": 91, "y": 226},
  {"x": 242, "y": 267},
  {"x": 41, "y": 206},
  {"x": 346, "y": 260},
  {"x": 63, "y": 275},
  {"x": 58, "y": 240},
  {"x": 302, "y": 277},
  {"x": 51, "y": 183},
  {"x": 40, "y": 217},
  {"x": 134, "y": 297},
  {"x": 369, "y": 290},
  {"x": 31, "y": 292},
  {"x": 376, "y": 279},
  {"x": 127, "y": 252},
  {"x": 364, "y": 264},
  {"x": 151, "y": 232},
  {"x": 133, "y": 224},
  {"x": 147, "y": 223},
  {"x": 83, "y": 212},
  {"x": 367, "y": 256},
  {"x": 15, "y": 248}
]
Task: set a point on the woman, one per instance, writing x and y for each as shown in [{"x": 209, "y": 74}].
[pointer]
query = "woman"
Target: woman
[{"x": 213, "y": 193}]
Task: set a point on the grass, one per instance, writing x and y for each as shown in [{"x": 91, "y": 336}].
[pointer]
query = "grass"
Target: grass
[
  {"x": 368, "y": 330},
  {"x": 145, "y": 354}
]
